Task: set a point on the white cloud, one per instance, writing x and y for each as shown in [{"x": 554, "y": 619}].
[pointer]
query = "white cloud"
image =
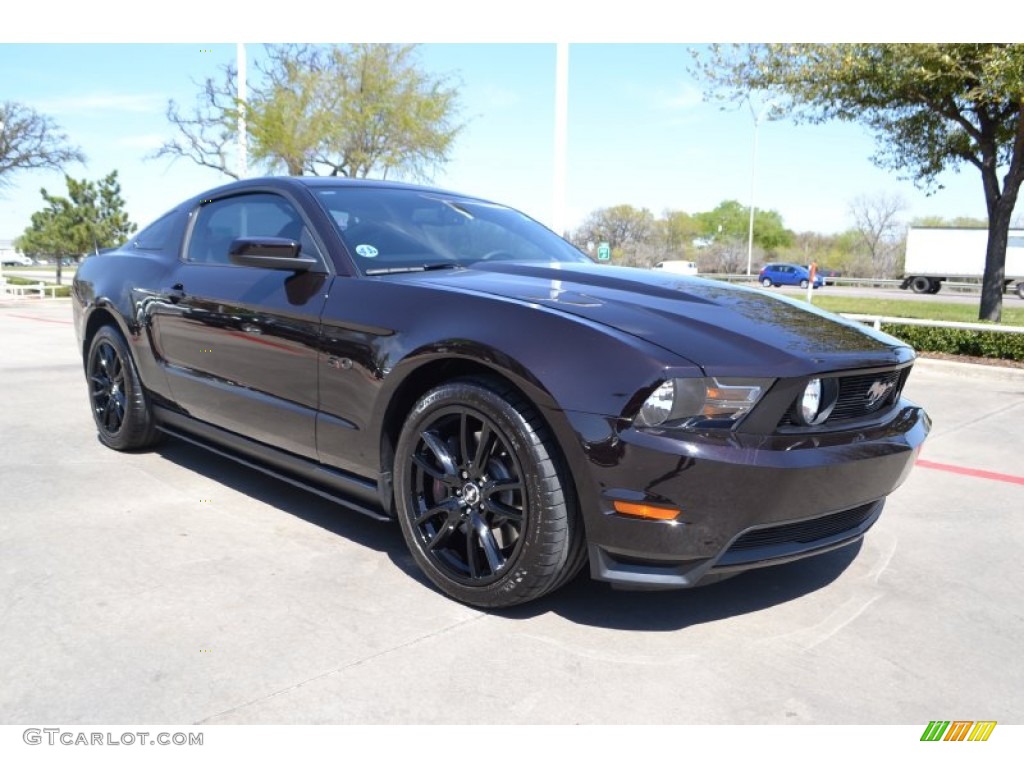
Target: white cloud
[
  {"x": 684, "y": 96},
  {"x": 500, "y": 98},
  {"x": 142, "y": 141},
  {"x": 112, "y": 102},
  {"x": 680, "y": 97}
]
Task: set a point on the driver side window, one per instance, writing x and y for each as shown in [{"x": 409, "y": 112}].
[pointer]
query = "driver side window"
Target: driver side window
[{"x": 254, "y": 215}]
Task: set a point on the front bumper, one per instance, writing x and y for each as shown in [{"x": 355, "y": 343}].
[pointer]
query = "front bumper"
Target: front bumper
[{"x": 746, "y": 501}]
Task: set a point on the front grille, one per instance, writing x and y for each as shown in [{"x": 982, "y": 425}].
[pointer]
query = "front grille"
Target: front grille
[
  {"x": 854, "y": 399},
  {"x": 805, "y": 531}
]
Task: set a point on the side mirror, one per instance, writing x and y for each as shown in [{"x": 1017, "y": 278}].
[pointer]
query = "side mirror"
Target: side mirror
[{"x": 269, "y": 253}]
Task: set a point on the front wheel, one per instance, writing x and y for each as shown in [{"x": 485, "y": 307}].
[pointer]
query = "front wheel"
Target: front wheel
[
  {"x": 483, "y": 502},
  {"x": 804, "y": 283},
  {"x": 120, "y": 405}
]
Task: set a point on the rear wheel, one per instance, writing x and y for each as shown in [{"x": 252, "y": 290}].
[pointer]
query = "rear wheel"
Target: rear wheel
[
  {"x": 767, "y": 282},
  {"x": 1020, "y": 290},
  {"x": 920, "y": 284},
  {"x": 484, "y": 505},
  {"x": 120, "y": 405}
]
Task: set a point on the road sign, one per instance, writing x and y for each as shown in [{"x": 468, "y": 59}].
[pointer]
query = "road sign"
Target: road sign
[{"x": 604, "y": 252}]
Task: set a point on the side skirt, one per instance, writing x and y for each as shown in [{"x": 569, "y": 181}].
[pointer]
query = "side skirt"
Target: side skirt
[{"x": 355, "y": 493}]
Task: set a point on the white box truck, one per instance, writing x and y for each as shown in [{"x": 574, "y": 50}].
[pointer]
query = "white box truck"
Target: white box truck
[
  {"x": 935, "y": 254},
  {"x": 677, "y": 266}
]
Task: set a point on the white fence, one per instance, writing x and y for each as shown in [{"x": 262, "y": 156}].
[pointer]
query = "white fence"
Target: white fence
[
  {"x": 20, "y": 291},
  {"x": 877, "y": 320}
]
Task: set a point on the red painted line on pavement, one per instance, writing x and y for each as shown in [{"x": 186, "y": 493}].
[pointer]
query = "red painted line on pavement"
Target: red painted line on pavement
[
  {"x": 971, "y": 472},
  {"x": 40, "y": 319}
]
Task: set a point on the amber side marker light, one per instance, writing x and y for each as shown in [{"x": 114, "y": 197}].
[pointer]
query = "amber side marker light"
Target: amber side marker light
[{"x": 646, "y": 511}]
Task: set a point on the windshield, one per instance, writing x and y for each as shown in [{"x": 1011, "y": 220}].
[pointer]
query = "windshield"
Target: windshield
[{"x": 391, "y": 230}]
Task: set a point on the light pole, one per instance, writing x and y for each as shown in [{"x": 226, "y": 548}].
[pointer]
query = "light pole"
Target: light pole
[
  {"x": 757, "y": 115},
  {"x": 2, "y": 279},
  {"x": 243, "y": 161},
  {"x": 561, "y": 136}
]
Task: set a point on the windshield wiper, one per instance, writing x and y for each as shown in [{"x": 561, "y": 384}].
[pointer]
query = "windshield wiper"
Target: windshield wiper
[{"x": 416, "y": 268}]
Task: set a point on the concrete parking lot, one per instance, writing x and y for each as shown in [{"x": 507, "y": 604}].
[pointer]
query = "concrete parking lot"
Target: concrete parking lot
[{"x": 177, "y": 587}]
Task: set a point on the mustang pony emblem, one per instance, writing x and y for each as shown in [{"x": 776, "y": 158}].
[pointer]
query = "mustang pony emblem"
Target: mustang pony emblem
[{"x": 878, "y": 390}]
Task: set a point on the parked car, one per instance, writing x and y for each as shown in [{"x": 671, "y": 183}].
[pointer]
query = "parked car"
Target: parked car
[
  {"x": 787, "y": 274},
  {"x": 446, "y": 362},
  {"x": 829, "y": 275},
  {"x": 678, "y": 266},
  {"x": 17, "y": 260}
]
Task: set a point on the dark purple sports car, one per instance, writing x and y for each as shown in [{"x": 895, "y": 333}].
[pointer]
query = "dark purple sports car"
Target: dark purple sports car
[{"x": 448, "y": 362}]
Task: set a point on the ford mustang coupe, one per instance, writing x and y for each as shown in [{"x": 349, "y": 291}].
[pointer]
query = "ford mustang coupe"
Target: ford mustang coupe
[{"x": 448, "y": 362}]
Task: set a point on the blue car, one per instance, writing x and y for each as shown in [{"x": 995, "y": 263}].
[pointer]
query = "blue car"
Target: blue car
[{"x": 788, "y": 274}]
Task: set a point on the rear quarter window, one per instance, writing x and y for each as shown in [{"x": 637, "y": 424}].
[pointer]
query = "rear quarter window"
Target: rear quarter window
[{"x": 161, "y": 235}]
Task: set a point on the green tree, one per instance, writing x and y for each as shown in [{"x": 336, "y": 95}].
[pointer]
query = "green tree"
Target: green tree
[
  {"x": 351, "y": 110},
  {"x": 931, "y": 107},
  {"x": 91, "y": 217},
  {"x": 679, "y": 229},
  {"x": 29, "y": 140},
  {"x": 730, "y": 219}
]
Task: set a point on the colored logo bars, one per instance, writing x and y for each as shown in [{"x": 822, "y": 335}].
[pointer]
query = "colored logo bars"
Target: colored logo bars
[{"x": 958, "y": 730}]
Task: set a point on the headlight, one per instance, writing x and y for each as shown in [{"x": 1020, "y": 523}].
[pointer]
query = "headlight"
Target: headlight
[{"x": 713, "y": 402}]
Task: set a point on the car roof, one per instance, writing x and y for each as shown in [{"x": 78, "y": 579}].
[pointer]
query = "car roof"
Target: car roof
[{"x": 330, "y": 182}]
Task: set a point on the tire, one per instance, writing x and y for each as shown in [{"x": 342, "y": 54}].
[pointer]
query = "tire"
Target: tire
[
  {"x": 767, "y": 282},
  {"x": 935, "y": 287},
  {"x": 920, "y": 284},
  {"x": 804, "y": 283},
  {"x": 484, "y": 504},
  {"x": 1020, "y": 290},
  {"x": 119, "y": 403}
]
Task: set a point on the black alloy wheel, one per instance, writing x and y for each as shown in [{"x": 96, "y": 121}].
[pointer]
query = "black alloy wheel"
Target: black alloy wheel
[
  {"x": 119, "y": 403},
  {"x": 480, "y": 497},
  {"x": 106, "y": 387}
]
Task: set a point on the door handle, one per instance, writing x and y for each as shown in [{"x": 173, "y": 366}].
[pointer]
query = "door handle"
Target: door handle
[{"x": 176, "y": 294}]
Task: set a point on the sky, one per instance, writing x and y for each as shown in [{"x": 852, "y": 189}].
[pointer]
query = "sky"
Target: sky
[{"x": 639, "y": 130}]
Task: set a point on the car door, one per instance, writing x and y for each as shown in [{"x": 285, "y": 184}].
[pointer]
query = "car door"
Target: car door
[{"x": 239, "y": 343}]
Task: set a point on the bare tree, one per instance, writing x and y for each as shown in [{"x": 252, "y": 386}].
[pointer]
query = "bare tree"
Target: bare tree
[
  {"x": 29, "y": 140},
  {"x": 876, "y": 218},
  {"x": 727, "y": 255},
  {"x": 207, "y": 134},
  {"x": 352, "y": 110}
]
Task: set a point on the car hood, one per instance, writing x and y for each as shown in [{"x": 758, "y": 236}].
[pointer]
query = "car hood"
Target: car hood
[{"x": 725, "y": 329}]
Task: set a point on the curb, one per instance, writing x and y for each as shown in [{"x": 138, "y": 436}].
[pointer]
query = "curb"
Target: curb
[{"x": 970, "y": 370}]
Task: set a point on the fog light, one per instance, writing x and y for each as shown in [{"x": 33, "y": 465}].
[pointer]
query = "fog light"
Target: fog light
[
  {"x": 810, "y": 402},
  {"x": 817, "y": 401}
]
